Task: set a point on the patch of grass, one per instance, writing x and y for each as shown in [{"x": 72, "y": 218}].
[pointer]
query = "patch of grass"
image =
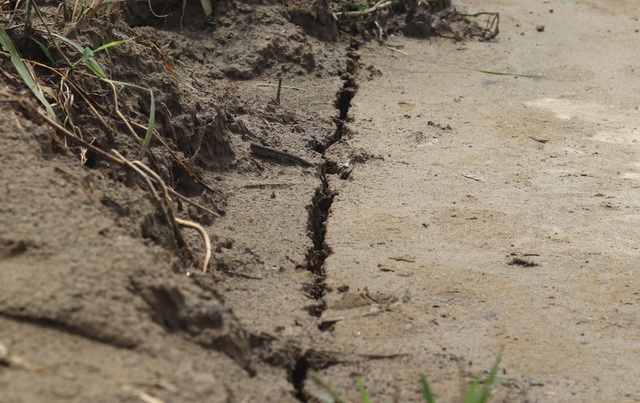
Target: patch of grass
[
  {"x": 92, "y": 64},
  {"x": 427, "y": 394},
  {"x": 88, "y": 55},
  {"x": 480, "y": 394},
  {"x": 73, "y": 71},
  {"x": 479, "y": 391},
  {"x": 24, "y": 72},
  {"x": 57, "y": 98}
]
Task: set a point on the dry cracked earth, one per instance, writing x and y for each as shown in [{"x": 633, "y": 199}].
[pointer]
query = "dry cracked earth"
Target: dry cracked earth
[{"x": 389, "y": 212}]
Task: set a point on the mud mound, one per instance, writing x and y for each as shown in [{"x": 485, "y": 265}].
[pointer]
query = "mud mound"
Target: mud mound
[{"x": 79, "y": 259}]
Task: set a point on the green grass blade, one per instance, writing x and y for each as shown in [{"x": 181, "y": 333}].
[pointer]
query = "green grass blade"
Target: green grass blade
[
  {"x": 427, "y": 394},
  {"x": 324, "y": 397},
  {"x": 111, "y": 44},
  {"x": 206, "y": 7},
  {"x": 93, "y": 65},
  {"x": 181, "y": 80},
  {"x": 335, "y": 395},
  {"x": 6, "y": 43},
  {"x": 396, "y": 48},
  {"x": 479, "y": 396},
  {"x": 46, "y": 52},
  {"x": 184, "y": 10},
  {"x": 152, "y": 110},
  {"x": 69, "y": 41},
  {"x": 364, "y": 395},
  {"x": 472, "y": 394},
  {"x": 492, "y": 380},
  {"x": 87, "y": 56},
  {"x": 152, "y": 123}
]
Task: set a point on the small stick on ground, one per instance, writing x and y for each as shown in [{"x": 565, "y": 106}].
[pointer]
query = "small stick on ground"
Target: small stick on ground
[
  {"x": 287, "y": 87},
  {"x": 175, "y": 220},
  {"x": 194, "y": 204},
  {"x": 270, "y": 153},
  {"x": 472, "y": 177},
  {"x": 243, "y": 275},
  {"x": 279, "y": 90}
]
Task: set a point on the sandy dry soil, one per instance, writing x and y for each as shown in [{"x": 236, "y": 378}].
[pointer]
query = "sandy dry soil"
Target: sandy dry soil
[
  {"x": 394, "y": 215},
  {"x": 501, "y": 212}
]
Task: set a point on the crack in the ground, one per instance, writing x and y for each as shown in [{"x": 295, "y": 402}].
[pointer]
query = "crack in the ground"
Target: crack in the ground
[
  {"x": 323, "y": 198},
  {"x": 299, "y": 361},
  {"x": 317, "y": 255},
  {"x": 80, "y": 330},
  {"x": 298, "y": 376},
  {"x": 318, "y": 215},
  {"x": 311, "y": 360}
]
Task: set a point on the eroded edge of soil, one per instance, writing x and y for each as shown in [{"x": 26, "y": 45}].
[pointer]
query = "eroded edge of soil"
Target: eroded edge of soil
[{"x": 182, "y": 308}]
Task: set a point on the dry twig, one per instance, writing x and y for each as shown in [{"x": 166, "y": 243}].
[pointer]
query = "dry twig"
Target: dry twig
[{"x": 205, "y": 236}]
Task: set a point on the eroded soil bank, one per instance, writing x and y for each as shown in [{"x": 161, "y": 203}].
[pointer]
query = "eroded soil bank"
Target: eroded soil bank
[
  {"x": 383, "y": 215},
  {"x": 102, "y": 295}
]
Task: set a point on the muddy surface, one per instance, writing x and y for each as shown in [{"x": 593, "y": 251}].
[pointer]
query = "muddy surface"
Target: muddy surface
[{"x": 422, "y": 193}]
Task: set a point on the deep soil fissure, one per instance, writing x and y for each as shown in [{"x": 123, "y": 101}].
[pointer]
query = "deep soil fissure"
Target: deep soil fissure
[
  {"x": 319, "y": 214},
  {"x": 298, "y": 377},
  {"x": 323, "y": 198}
]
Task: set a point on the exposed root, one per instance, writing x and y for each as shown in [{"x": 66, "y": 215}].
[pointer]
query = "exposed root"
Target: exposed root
[
  {"x": 165, "y": 202},
  {"x": 205, "y": 236},
  {"x": 146, "y": 173}
]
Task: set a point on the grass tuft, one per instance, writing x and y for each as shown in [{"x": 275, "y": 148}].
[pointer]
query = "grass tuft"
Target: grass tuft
[
  {"x": 24, "y": 72},
  {"x": 88, "y": 59},
  {"x": 475, "y": 395},
  {"x": 479, "y": 391},
  {"x": 427, "y": 395},
  {"x": 364, "y": 395}
]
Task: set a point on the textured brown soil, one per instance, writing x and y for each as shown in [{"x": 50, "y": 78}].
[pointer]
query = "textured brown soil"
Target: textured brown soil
[
  {"x": 99, "y": 299},
  {"x": 393, "y": 215}
]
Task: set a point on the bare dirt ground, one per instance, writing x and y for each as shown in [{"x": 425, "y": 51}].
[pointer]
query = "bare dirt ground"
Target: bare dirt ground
[{"x": 393, "y": 215}]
